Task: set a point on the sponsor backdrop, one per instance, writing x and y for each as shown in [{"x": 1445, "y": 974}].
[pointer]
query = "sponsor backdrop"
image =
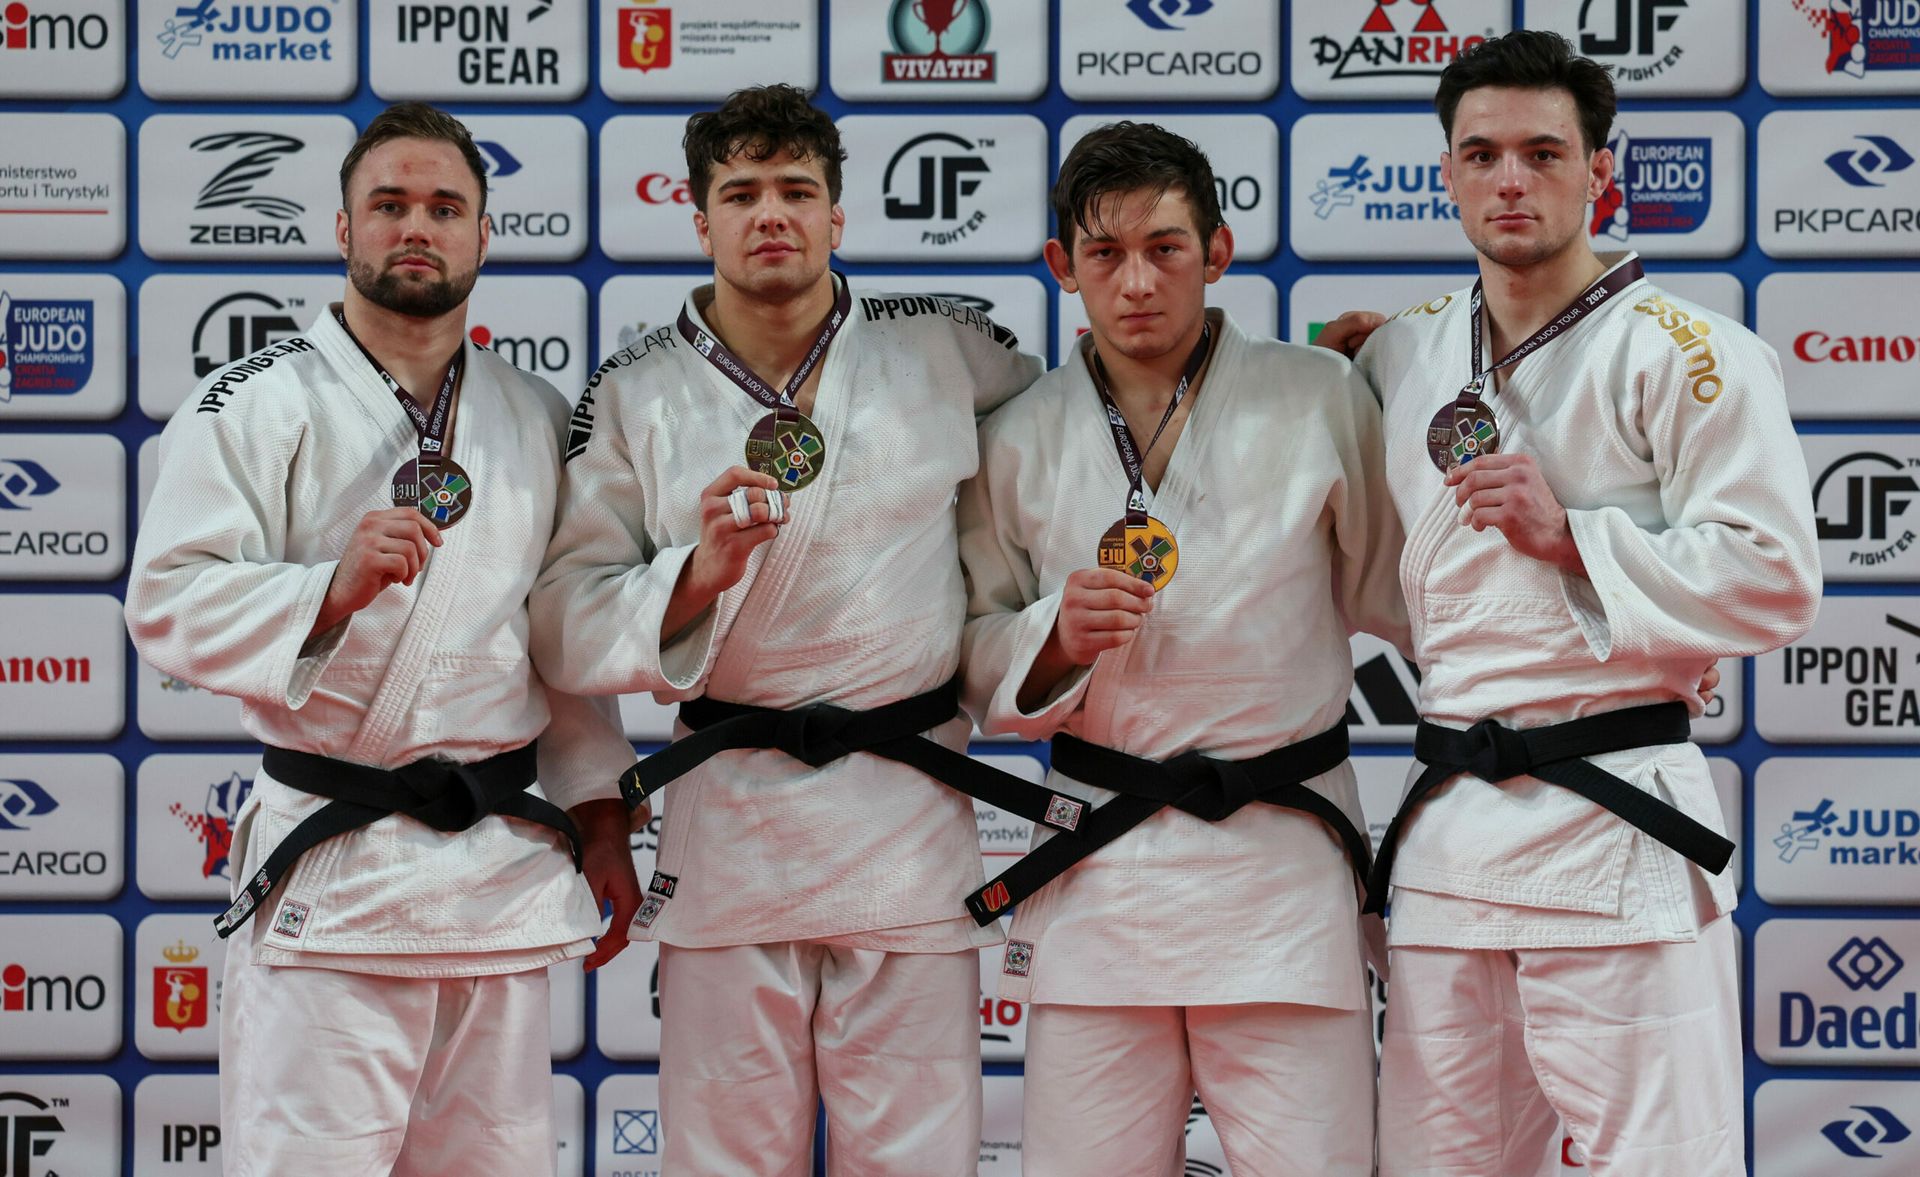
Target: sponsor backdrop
[{"x": 167, "y": 189}]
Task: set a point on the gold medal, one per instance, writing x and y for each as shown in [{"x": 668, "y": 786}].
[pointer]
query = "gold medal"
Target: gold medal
[{"x": 1146, "y": 552}]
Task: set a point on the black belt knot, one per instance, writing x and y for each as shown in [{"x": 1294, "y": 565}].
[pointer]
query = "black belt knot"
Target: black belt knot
[
  {"x": 813, "y": 735},
  {"x": 1216, "y": 789},
  {"x": 1497, "y": 753}
]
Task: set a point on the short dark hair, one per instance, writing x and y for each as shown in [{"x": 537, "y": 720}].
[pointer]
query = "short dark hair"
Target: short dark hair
[
  {"x": 1536, "y": 60},
  {"x": 760, "y": 122},
  {"x": 1124, "y": 157},
  {"x": 414, "y": 120}
]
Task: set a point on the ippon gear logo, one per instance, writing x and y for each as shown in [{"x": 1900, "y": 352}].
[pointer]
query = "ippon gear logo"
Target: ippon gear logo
[
  {"x": 938, "y": 41},
  {"x": 1869, "y": 490},
  {"x": 21, "y": 800},
  {"x": 1874, "y": 1127},
  {"x": 1866, "y": 964},
  {"x": 22, "y": 481},
  {"x": 1862, "y": 167},
  {"x": 1380, "y": 50},
  {"x": 1160, "y": 14},
  {"x": 930, "y": 179},
  {"x": 28, "y": 1131}
]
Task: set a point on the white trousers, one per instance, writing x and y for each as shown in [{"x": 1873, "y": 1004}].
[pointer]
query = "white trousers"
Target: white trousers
[
  {"x": 1290, "y": 1089},
  {"x": 356, "y": 1075},
  {"x": 753, "y": 1038},
  {"x": 1636, "y": 1048}
]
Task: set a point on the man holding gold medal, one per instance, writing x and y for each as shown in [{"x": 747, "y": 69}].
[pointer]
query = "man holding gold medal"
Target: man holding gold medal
[
  {"x": 805, "y": 610},
  {"x": 1171, "y": 537}
]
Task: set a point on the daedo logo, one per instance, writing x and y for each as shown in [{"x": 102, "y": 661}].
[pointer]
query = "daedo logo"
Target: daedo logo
[
  {"x": 1866, "y": 967},
  {"x": 1659, "y": 186},
  {"x": 235, "y": 186},
  {"x": 938, "y": 41},
  {"x": 1862, "y": 837},
  {"x": 1384, "y": 192},
  {"x": 46, "y": 346},
  {"x": 1379, "y": 49},
  {"x": 1856, "y": 498},
  {"x": 226, "y": 31},
  {"x": 29, "y": 27},
  {"x": 212, "y": 825}
]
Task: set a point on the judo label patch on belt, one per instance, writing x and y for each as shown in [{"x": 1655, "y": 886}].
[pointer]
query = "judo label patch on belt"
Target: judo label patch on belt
[
  {"x": 1064, "y": 812},
  {"x": 1019, "y": 958},
  {"x": 292, "y": 919},
  {"x": 663, "y": 884}
]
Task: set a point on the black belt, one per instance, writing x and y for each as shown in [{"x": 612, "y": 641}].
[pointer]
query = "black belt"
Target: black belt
[
  {"x": 1209, "y": 789},
  {"x": 446, "y": 796},
  {"x": 821, "y": 733},
  {"x": 1554, "y": 754}
]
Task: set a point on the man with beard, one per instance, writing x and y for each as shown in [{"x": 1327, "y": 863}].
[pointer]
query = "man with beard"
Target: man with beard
[
  {"x": 1602, "y": 494},
  {"x": 343, "y": 535},
  {"x": 805, "y": 608}
]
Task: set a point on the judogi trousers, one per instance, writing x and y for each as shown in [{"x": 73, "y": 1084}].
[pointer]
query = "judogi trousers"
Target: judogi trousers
[
  {"x": 1290, "y": 1089},
  {"x": 1636, "y": 1048},
  {"x": 360, "y": 1075},
  {"x": 754, "y": 1037}
]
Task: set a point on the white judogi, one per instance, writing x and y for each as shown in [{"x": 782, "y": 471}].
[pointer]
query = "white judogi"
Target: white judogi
[
  {"x": 1663, "y": 429},
  {"x": 858, "y": 602},
  {"x": 264, "y": 474},
  {"x": 1287, "y": 541}
]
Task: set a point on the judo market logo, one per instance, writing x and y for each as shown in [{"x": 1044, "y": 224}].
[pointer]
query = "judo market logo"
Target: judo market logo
[
  {"x": 46, "y": 346},
  {"x": 228, "y": 32},
  {"x": 1384, "y": 192},
  {"x": 28, "y": 1131},
  {"x": 22, "y": 481},
  {"x": 212, "y": 825},
  {"x": 1873, "y": 1127},
  {"x": 1857, "y": 837},
  {"x": 1658, "y": 186},
  {"x": 938, "y": 41},
  {"x": 1865, "y": 36},
  {"x": 1379, "y": 50},
  {"x": 1863, "y": 167}
]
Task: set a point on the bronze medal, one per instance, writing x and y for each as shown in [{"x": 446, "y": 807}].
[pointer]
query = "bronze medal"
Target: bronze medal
[
  {"x": 788, "y": 446},
  {"x": 1146, "y": 552},
  {"x": 443, "y": 494},
  {"x": 1460, "y": 433}
]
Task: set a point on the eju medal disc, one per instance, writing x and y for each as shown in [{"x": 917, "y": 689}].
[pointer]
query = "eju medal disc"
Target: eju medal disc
[
  {"x": 788, "y": 446},
  {"x": 444, "y": 494},
  {"x": 1459, "y": 435},
  {"x": 1147, "y": 553}
]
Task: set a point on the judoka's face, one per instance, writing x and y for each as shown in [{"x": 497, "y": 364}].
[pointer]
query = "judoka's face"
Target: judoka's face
[
  {"x": 1142, "y": 270},
  {"x": 414, "y": 235},
  {"x": 770, "y": 225},
  {"x": 1522, "y": 173}
]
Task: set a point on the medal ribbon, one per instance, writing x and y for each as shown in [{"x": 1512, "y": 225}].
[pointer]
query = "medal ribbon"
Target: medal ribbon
[
  {"x": 1131, "y": 457},
  {"x": 1589, "y": 300},
  {"x": 781, "y": 402},
  {"x": 432, "y": 424}
]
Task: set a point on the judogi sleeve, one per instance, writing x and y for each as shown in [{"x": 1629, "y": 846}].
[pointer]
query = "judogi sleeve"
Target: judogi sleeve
[
  {"x": 601, "y": 601},
  {"x": 583, "y": 751},
  {"x": 212, "y": 600},
  {"x": 1367, "y": 533},
  {"x": 1008, "y": 620},
  {"x": 996, "y": 367},
  {"x": 1736, "y": 569}
]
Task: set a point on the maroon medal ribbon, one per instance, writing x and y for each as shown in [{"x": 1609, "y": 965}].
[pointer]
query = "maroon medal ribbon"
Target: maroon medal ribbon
[
  {"x": 1132, "y": 458},
  {"x": 433, "y": 482}
]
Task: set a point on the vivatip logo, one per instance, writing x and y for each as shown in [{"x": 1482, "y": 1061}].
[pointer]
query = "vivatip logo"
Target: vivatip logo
[
  {"x": 1840, "y": 47},
  {"x": 1245, "y": 152},
  {"x": 1851, "y": 679},
  {"x": 474, "y": 50},
  {"x": 59, "y": 1125},
  {"x": 970, "y": 190},
  {"x": 192, "y": 325},
  {"x": 226, "y": 49},
  {"x": 233, "y": 186},
  {"x": 1661, "y": 200},
  {"x": 646, "y": 207},
  {"x": 1369, "y": 186},
  {"x": 62, "y": 666},
  {"x": 1863, "y": 487},
  {"x": 627, "y": 1125},
  {"x": 1819, "y": 844},
  {"x": 62, "y": 49},
  {"x": 965, "y": 50},
  {"x": 1839, "y": 183},
  {"x": 1836, "y": 991},
  {"x": 1133, "y": 50},
  {"x": 60, "y": 986},
  {"x": 536, "y": 185},
  {"x": 63, "y": 510},
  {"x": 60, "y": 827},
  {"x": 63, "y": 186},
  {"x": 1847, "y": 342},
  {"x": 1387, "y": 50},
  {"x": 537, "y": 324},
  {"x": 701, "y": 50},
  {"x": 1656, "y": 48}
]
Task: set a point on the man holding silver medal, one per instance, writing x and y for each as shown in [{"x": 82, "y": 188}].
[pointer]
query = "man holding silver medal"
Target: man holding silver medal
[
  {"x": 1613, "y": 500},
  {"x": 343, "y": 535},
  {"x": 805, "y": 610},
  {"x": 1170, "y": 539}
]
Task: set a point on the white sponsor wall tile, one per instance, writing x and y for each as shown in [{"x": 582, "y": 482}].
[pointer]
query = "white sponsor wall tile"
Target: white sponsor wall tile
[
  {"x": 569, "y": 1127},
  {"x": 63, "y": 49},
  {"x": 60, "y": 991},
  {"x": 1678, "y": 188},
  {"x": 703, "y": 52},
  {"x": 192, "y": 325},
  {"x": 1347, "y": 51},
  {"x": 217, "y": 187},
  {"x": 537, "y": 324},
  {"x": 186, "y": 807},
  {"x": 1368, "y": 186},
  {"x": 62, "y": 823},
  {"x": 1129, "y": 50},
  {"x": 176, "y": 1127},
  {"x": 63, "y": 347},
  {"x": 1656, "y": 48},
  {"x": 262, "y": 52},
  {"x": 1851, "y": 679},
  {"x": 62, "y": 667},
  {"x": 1804, "y": 1127},
  {"x": 1837, "y": 830},
  {"x": 646, "y": 206},
  {"x": 962, "y": 188},
  {"x": 1837, "y": 992},
  {"x": 63, "y": 186},
  {"x": 1840, "y": 48},
  {"x": 536, "y": 185},
  {"x": 1848, "y": 345},
  {"x": 476, "y": 50},
  {"x": 66, "y": 1124},
  {"x": 63, "y": 506},
  {"x": 1839, "y": 183},
  {"x": 1863, "y": 486},
  {"x": 626, "y": 1126},
  {"x": 178, "y": 964}
]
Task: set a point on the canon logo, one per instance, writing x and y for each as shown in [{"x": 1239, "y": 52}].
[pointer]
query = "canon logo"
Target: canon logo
[
  {"x": 659, "y": 188},
  {"x": 1816, "y": 347},
  {"x": 46, "y": 670}
]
